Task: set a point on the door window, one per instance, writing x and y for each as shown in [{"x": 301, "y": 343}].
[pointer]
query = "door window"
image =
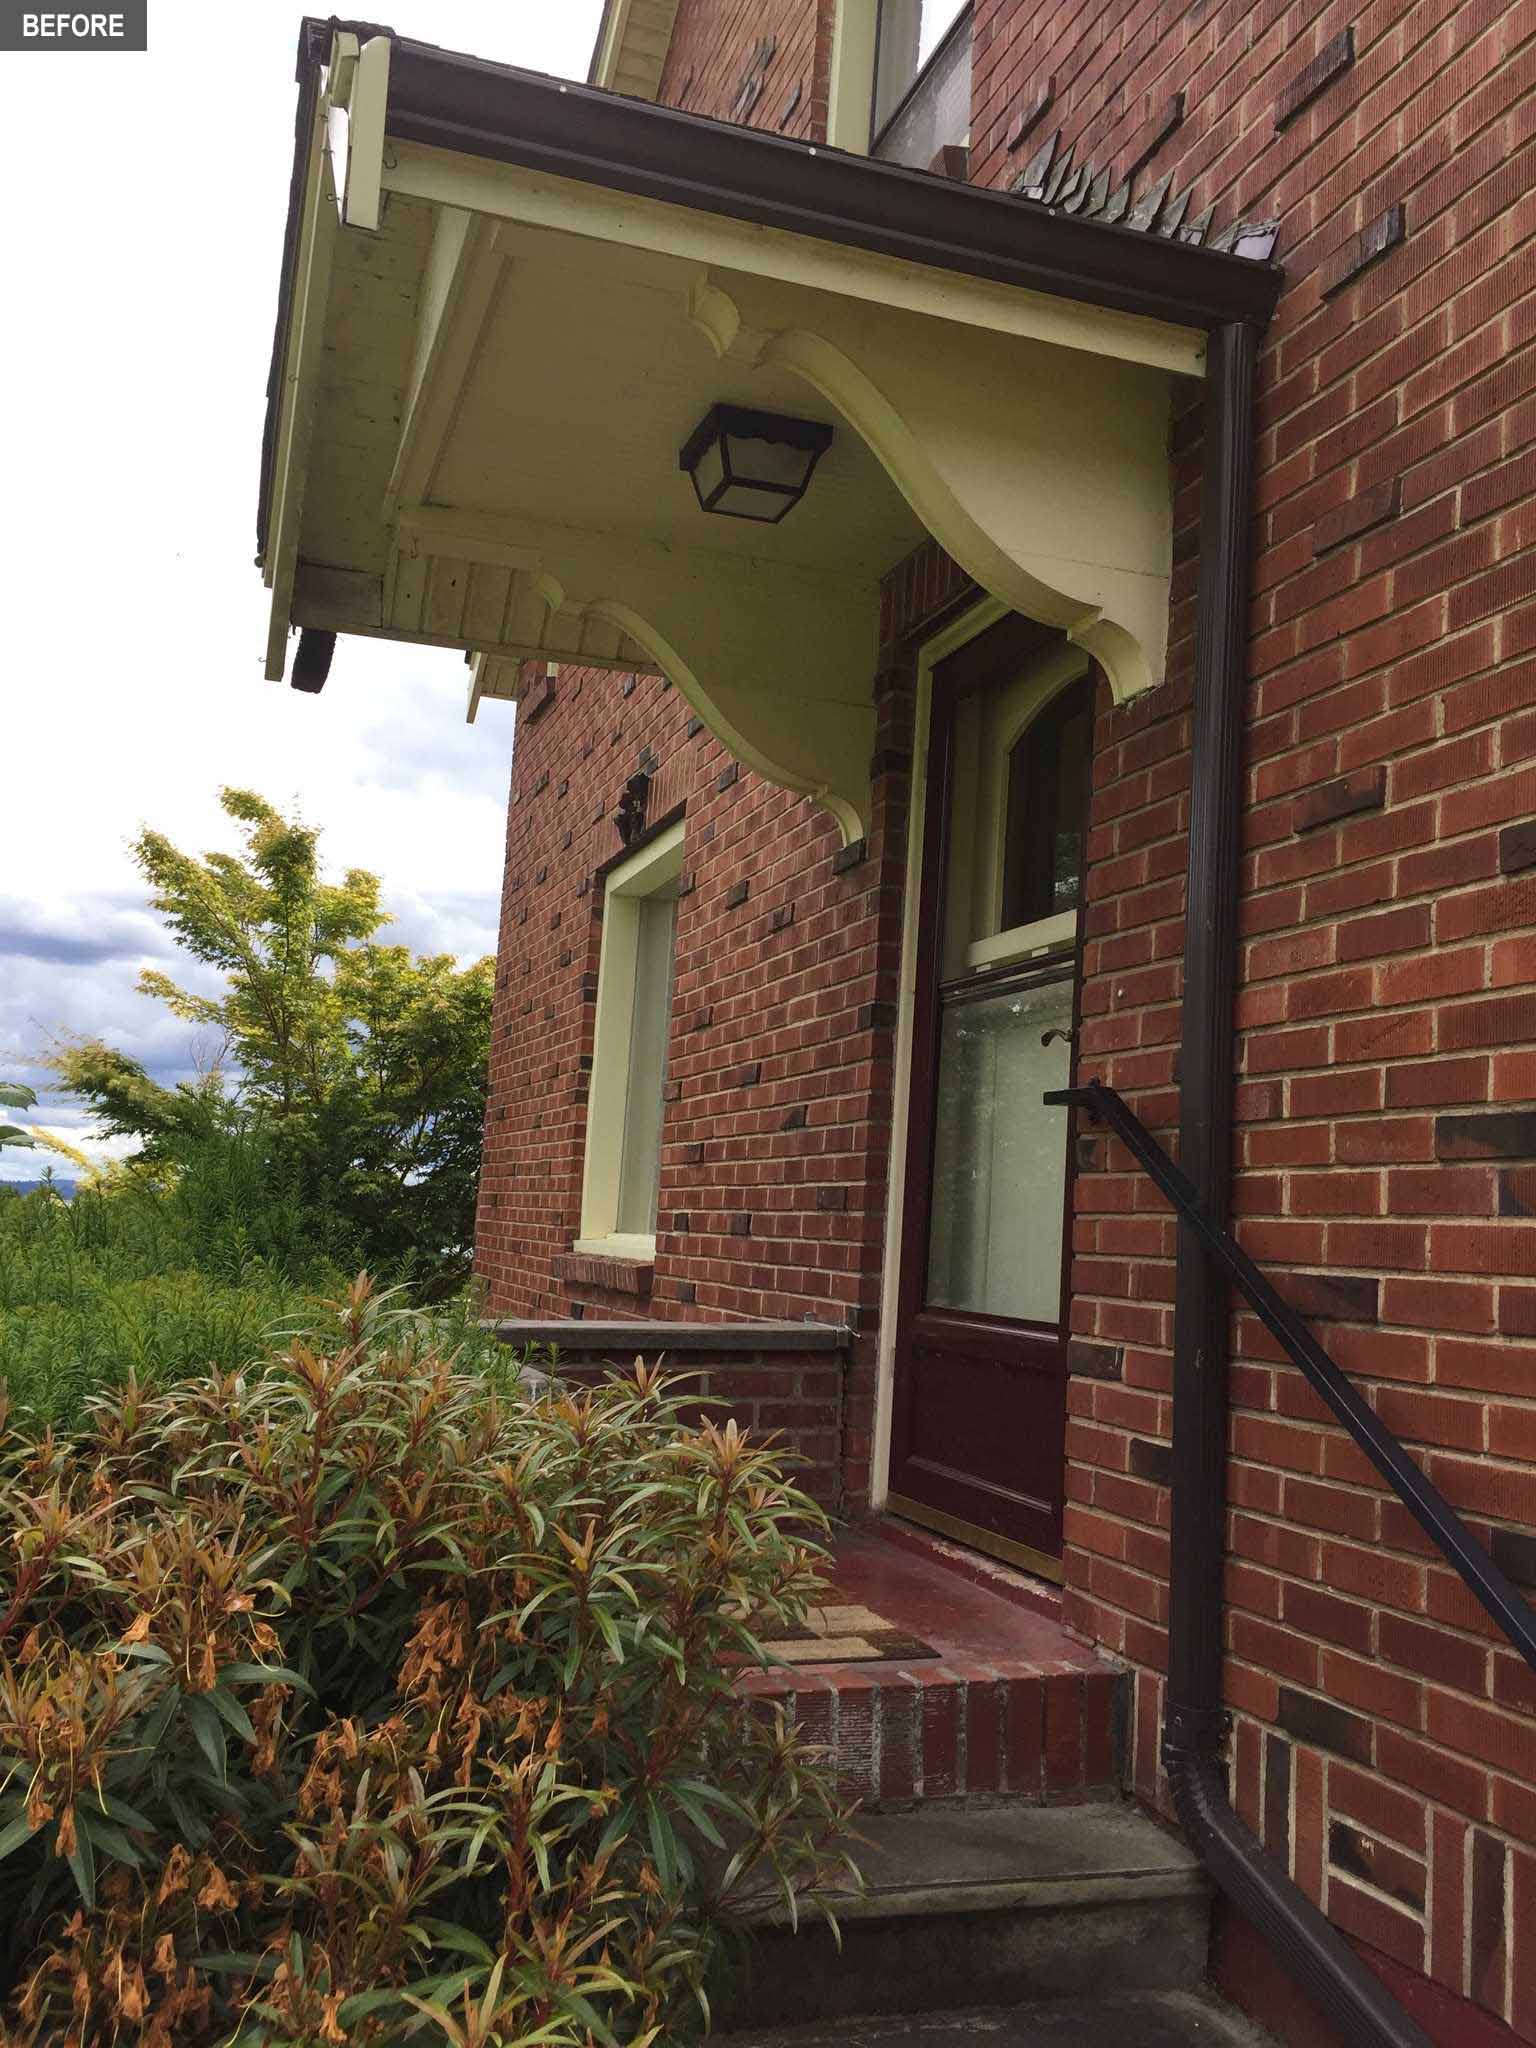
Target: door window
[
  {"x": 1018, "y": 804},
  {"x": 999, "y": 1153}
]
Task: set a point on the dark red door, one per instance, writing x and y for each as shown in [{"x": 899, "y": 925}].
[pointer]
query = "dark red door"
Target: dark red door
[{"x": 980, "y": 1409}]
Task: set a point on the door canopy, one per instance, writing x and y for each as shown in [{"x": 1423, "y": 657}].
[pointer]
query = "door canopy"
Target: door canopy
[{"x": 508, "y": 302}]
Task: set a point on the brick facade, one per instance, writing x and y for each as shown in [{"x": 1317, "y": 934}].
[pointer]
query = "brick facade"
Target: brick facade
[
  {"x": 1384, "y": 1744},
  {"x": 1385, "y": 1741}
]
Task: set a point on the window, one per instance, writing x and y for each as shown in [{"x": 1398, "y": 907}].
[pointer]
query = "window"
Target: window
[
  {"x": 922, "y": 86},
  {"x": 1048, "y": 771},
  {"x": 1021, "y": 757},
  {"x": 629, "y": 1052}
]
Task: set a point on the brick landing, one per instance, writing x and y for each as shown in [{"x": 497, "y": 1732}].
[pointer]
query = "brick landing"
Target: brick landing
[{"x": 1012, "y": 1706}]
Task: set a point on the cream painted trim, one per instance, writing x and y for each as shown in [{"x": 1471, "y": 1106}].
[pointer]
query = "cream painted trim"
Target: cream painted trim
[
  {"x": 935, "y": 650},
  {"x": 366, "y": 106},
  {"x": 633, "y": 53},
  {"x": 444, "y": 178},
  {"x": 652, "y": 869},
  {"x": 1045, "y": 935},
  {"x": 851, "y": 89},
  {"x": 607, "y": 60},
  {"x": 463, "y": 278},
  {"x": 301, "y": 367},
  {"x": 620, "y": 1246}
]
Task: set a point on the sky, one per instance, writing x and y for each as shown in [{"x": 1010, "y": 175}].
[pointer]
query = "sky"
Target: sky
[{"x": 143, "y": 257}]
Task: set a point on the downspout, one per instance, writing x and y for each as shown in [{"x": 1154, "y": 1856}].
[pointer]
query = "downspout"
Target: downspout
[{"x": 1195, "y": 1724}]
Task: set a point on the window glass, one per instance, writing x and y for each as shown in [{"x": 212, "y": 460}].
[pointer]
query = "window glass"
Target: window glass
[
  {"x": 999, "y": 1153},
  {"x": 927, "y": 40},
  {"x": 1048, "y": 774},
  {"x": 640, "y": 1160}
]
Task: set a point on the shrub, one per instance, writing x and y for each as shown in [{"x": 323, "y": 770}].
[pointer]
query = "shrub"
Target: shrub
[
  {"x": 160, "y": 1282},
  {"x": 361, "y": 1699}
]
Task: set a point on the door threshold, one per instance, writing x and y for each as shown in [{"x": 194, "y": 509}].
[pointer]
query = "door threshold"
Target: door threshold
[{"x": 1030, "y": 1577}]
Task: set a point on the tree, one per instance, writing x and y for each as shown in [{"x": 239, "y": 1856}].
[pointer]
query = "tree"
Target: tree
[
  {"x": 16, "y": 1095},
  {"x": 361, "y": 1066}
]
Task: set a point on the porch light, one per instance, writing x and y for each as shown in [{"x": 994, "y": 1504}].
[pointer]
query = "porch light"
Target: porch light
[{"x": 752, "y": 465}]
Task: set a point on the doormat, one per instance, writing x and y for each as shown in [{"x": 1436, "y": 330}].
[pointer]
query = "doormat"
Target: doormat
[{"x": 842, "y": 1633}]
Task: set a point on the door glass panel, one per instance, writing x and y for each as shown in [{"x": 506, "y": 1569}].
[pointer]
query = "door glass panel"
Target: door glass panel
[
  {"x": 999, "y": 1160},
  {"x": 1048, "y": 779}
]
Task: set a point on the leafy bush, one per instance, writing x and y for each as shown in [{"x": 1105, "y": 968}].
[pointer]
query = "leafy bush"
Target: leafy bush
[{"x": 361, "y": 1699}]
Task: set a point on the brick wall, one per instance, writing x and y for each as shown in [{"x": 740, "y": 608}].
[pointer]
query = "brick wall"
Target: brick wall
[
  {"x": 775, "y": 1139},
  {"x": 1385, "y": 1744},
  {"x": 763, "y": 63},
  {"x": 786, "y": 1387}
]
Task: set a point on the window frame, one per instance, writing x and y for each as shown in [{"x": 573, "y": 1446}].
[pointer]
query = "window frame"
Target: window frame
[
  {"x": 651, "y": 872},
  {"x": 964, "y": 19},
  {"x": 980, "y": 844}
]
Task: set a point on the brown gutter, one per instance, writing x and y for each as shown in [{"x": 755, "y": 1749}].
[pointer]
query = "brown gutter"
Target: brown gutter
[
  {"x": 1195, "y": 1721},
  {"x": 654, "y": 152},
  {"x": 627, "y": 145}
]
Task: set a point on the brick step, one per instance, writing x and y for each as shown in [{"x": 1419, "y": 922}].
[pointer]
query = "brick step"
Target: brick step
[
  {"x": 967, "y": 1907},
  {"x": 958, "y": 1729}
]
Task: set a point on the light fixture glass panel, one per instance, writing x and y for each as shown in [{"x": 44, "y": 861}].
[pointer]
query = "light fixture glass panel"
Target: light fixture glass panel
[
  {"x": 748, "y": 501},
  {"x": 710, "y": 471},
  {"x": 767, "y": 462}
]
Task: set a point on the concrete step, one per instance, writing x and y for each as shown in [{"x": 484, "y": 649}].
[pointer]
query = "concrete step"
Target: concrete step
[
  {"x": 1148, "y": 2019},
  {"x": 966, "y": 1908},
  {"x": 962, "y": 1727}
]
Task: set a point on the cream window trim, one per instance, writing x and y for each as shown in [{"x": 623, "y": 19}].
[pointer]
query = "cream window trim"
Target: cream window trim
[
  {"x": 851, "y": 94},
  {"x": 621, "y": 1245},
  {"x": 1045, "y": 935},
  {"x": 653, "y": 872}
]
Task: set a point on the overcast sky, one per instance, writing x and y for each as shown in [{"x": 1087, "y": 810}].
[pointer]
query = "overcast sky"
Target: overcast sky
[{"x": 142, "y": 255}]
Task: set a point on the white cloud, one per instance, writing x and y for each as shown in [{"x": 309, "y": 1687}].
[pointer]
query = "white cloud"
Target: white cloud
[{"x": 145, "y": 259}]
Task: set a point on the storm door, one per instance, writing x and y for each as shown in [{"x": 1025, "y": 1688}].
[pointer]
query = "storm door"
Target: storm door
[{"x": 980, "y": 1397}]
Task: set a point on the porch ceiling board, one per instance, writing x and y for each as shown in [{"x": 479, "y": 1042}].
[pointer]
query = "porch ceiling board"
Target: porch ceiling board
[{"x": 563, "y": 282}]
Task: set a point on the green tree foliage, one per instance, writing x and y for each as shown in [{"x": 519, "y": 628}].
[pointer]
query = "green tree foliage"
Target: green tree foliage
[
  {"x": 15, "y": 1095},
  {"x": 362, "y": 1700},
  {"x": 359, "y": 1067}
]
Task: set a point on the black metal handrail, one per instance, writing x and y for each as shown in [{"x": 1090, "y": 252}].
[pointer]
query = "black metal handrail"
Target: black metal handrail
[{"x": 1422, "y": 1498}]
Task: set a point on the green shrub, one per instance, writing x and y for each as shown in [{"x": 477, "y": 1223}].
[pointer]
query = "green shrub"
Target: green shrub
[
  {"x": 362, "y": 1699},
  {"x": 163, "y": 1281}
]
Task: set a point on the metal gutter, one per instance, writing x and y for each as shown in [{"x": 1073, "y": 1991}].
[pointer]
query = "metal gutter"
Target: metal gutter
[
  {"x": 634, "y": 146},
  {"x": 1195, "y": 1723}
]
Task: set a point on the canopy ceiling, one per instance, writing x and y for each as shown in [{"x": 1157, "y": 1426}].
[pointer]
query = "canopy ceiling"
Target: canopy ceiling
[{"x": 486, "y": 365}]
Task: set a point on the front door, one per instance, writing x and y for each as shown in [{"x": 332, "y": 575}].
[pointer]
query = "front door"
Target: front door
[{"x": 978, "y": 1439}]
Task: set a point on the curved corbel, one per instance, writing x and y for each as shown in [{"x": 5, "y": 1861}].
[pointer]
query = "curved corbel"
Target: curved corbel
[{"x": 977, "y": 482}]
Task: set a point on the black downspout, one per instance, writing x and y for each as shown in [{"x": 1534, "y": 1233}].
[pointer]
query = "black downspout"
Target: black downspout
[{"x": 1195, "y": 1726}]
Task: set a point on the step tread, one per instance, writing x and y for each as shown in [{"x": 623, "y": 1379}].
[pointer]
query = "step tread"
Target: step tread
[
  {"x": 1149, "y": 2019},
  {"x": 951, "y": 1859}
]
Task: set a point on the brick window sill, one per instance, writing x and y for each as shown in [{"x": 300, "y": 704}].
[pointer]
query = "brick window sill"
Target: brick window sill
[{"x": 619, "y": 1273}]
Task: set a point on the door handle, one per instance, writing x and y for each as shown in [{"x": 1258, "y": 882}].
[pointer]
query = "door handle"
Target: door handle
[{"x": 1055, "y": 1032}]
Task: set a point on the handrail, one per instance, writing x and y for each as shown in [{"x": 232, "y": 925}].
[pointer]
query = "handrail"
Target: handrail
[{"x": 1422, "y": 1498}]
